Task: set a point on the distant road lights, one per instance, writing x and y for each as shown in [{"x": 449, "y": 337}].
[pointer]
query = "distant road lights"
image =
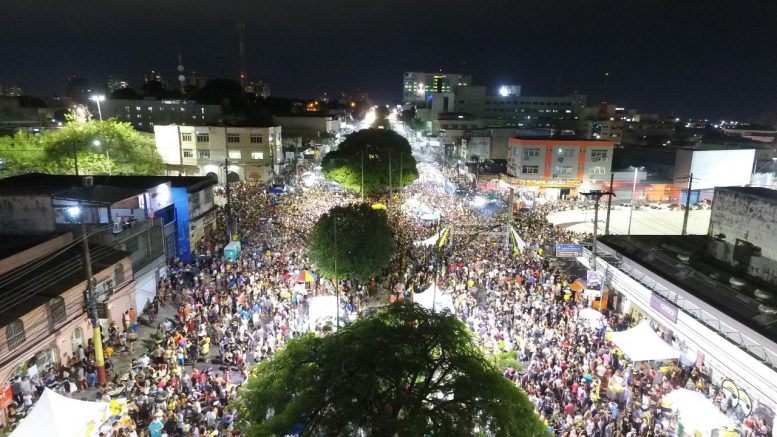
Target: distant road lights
[
  {"x": 504, "y": 91},
  {"x": 98, "y": 98}
]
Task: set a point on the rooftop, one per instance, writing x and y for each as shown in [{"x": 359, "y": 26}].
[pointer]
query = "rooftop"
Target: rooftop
[
  {"x": 10, "y": 245},
  {"x": 49, "y": 183},
  {"x": 702, "y": 275},
  {"x": 34, "y": 284},
  {"x": 767, "y": 193}
]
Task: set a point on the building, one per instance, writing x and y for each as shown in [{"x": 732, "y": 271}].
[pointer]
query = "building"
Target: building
[
  {"x": 558, "y": 167},
  {"x": 255, "y": 153},
  {"x": 23, "y": 113},
  {"x": 145, "y": 114},
  {"x": 137, "y": 218},
  {"x": 258, "y": 89},
  {"x": 308, "y": 125},
  {"x": 154, "y": 76},
  {"x": 512, "y": 109},
  {"x": 418, "y": 87},
  {"x": 11, "y": 91},
  {"x": 44, "y": 329},
  {"x": 78, "y": 89},
  {"x": 743, "y": 230},
  {"x": 115, "y": 82},
  {"x": 714, "y": 168}
]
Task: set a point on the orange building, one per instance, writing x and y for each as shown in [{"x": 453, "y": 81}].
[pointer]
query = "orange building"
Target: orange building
[{"x": 558, "y": 168}]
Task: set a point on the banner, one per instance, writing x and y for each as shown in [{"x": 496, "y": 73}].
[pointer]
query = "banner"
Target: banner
[
  {"x": 518, "y": 244},
  {"x": 593, "y": 281},
  {"x": 443, "y": 237},
  {"x": 569, "y": 250},
  {"x": 663, "y": 307}
]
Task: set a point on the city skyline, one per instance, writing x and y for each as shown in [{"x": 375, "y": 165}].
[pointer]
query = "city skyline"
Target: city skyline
[{"x": 685, "y": 59}]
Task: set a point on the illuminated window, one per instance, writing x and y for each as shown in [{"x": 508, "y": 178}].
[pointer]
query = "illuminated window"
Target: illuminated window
[
  {"x": 233, "y": 138},
  {"x": 597, "y": 171},
  {"x": 257, "y": 155},
  {"x": 203, "y": 154},
  {"x": 188, "y": 153},
  {"x": 203, "y": 138},
  {"x": 598, "y": 154},
  {"x": 256, "y": 138},
  {"x": 186, "y": 136},
  {"x": 235, "y": 154}
]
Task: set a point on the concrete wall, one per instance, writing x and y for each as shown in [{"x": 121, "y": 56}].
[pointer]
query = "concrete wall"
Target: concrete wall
[
  {"x": 24, "y": 214},
  {"x": 750, "y": 218},
  {"x": 35, "y": 252}
]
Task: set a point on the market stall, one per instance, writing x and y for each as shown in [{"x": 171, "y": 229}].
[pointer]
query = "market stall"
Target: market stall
[
  {"x": 695, "y": 412},
  {"x": 54, "y": 415},
  {"x": 440, "y": 302},
  {"x": 641, "y": 343}
]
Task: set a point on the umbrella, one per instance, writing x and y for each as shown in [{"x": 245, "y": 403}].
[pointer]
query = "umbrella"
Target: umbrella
[{"x": 306, "y": 276}]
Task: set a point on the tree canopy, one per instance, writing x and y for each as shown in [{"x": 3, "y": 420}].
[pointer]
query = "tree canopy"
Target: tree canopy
[
  {"x": 379, "y": 150},
  {"x": 355, "y": 237},
  {"x": 128, "y": 151},
  {"x": 402, "y": 371}
]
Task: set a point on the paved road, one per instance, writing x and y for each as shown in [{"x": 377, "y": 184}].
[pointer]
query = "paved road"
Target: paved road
[{"x": 650, "y": 222}]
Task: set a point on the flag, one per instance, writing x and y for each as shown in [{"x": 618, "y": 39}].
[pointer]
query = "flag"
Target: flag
[
  {"x": 443, "y": 237},
  {"x": 518, "y": 243}
]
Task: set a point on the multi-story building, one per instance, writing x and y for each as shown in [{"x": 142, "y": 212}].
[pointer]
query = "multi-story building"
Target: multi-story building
[
  {"x": 78, "y": 89},
  {"x": 308, "y": 125},
  {"x": 115, "y": 82},
  {"x": 254, "y": 153},
  {"x": 155, "y": 76},
  {"x": 258, "y": 89},
  {"x": 418, "y": 87},
  {"x": 11, "y": 91},
  {"x": 44, "y": 329},
  {"x": 559, "y": 167},
  {"x": 145, "y": 114}
]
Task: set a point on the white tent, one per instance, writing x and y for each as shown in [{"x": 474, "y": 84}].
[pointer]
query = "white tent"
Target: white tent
[
  {"x": 55, "y": 415},
  {"x": 427, "y": 299},
  {"x": 696, "y": 412},
  {"x": 641, "y": 343},
  {"x": 428, "y": 242},
  {"x": 321, "y": 308},
  {"x": 592, "y": 317}
]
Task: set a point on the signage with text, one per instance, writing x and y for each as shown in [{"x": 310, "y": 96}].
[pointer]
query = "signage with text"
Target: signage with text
[
  {"x": 569, "y": 250},
  {"x": 663, "y": 307}
]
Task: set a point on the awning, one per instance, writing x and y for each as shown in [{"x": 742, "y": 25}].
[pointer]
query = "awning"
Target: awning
[{"x": 641, "y": 343}]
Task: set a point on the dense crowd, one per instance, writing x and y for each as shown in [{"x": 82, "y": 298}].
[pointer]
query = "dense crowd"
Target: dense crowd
[{"x": 229, "y": 314}]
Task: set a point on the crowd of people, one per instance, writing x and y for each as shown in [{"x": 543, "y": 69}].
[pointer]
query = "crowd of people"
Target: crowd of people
[{"x": 229, "y": 314}]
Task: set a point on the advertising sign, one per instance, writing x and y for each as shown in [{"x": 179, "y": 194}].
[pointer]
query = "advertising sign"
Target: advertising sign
[
  {"x": 593, "y": 281},
  {"x": 663, "y": 307},
  {"x": 569, "y": 250}
]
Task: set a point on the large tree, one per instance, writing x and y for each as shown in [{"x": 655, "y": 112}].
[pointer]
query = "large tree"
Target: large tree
[
  {"x": 353, "y": 241},
  {"x": 371, "y": 153},
  {"x": 404, "y": 371}
]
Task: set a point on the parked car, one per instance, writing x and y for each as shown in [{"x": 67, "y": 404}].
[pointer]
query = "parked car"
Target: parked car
[{"x": 658, "y": 206}]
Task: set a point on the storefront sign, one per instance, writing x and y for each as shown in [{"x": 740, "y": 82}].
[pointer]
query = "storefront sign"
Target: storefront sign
[
  {"x": 569, "y": 250},
  {"x": 6, "y": 396},
  {"x": 593, "y": 281},
  {"x": 663, "y": 307},
  {"x": 551, "y": 183}
]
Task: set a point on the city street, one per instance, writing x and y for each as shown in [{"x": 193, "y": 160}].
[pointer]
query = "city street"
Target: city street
[{"x": 643, "y": 222}]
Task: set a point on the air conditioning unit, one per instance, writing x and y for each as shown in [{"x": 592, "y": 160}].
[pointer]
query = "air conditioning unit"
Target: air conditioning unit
[{"x": 87, "y": 181}]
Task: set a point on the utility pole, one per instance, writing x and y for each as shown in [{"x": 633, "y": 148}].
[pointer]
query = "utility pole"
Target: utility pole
[
  {"x": 510, "y": 217},
  {"x": 609, "y": 206},
  {"x": 337, "y": 282},
  {"x": 687, "y": 205},
  {"x": 99, "y": 359},
  {"x": 597, "y": 195},
  {"x": 362, "y": 188}
]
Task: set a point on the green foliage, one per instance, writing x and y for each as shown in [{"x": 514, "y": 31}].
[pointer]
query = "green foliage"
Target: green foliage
[
  {"x": 379, "y": 149},
  {"x": 129, "y": 151},
  {"x": 504, "y": 360},
  {"x": 364, "y": 242},
  {"x": 402, "y": 371}
]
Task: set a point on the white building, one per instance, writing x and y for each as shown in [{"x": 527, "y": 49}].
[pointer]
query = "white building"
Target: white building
[
  {"x": 254, "y": 153},
  {"x": 306, "y": 125}
]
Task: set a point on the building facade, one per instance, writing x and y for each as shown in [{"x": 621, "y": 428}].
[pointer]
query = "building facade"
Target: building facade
[
  {"x": 559, "y": 167},
  {"x": 516, "y": 110},
  {"x": 254, "y": 153},
  {"x": 147, "y": 113},
  {"x": 417, "y": 87},
  {"x": 308, "y": 125}
]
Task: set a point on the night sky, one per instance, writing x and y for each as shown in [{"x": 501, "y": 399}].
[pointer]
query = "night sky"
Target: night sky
[{"x": 702, "y": 58}]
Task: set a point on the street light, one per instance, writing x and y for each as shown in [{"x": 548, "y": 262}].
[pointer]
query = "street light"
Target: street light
[
  {"x": 98, "y": 98},
  {"x": 633, "y": 189},
  {"x": 97, "y": 144}
]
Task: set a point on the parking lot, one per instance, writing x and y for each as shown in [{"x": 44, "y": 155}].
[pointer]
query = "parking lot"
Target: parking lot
[{"x": 643, "y": 222}]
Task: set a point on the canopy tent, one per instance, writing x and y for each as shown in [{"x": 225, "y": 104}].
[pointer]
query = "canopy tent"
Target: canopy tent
[
  {"x": 427, "y": 299},
  {"x": 55, "y": 415},
  {"x": 306, "y": 276},
  {"x": 428, "y": 242},
  {"x": 592, "y": 317},
  {"x": 641, "y": 343},
  {"x": 430, "y": 216},
  {"x": 696, "y": 412},
  {"x": 321, "y": 308}
]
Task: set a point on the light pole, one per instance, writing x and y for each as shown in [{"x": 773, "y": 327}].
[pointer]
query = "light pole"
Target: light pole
[
  {"x": 597, "y": 195},
  {"x": 97, "y": 144},
  {"x": 98, "y": 98},
  {"x": 633, "y": 189}
]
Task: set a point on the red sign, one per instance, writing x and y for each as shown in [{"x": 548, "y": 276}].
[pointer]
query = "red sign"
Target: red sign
[{"x": 6, "y": 396}]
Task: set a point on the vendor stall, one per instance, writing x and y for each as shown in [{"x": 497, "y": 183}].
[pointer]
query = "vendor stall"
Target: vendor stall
[
  {"x": 641, "y": 343},
  {"x": 55, "y": 415}
]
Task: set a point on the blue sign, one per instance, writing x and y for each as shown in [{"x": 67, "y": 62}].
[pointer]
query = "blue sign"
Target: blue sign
[{"x": 569, "y": 250}]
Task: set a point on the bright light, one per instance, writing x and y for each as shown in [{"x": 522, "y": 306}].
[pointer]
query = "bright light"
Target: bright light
[
  {"x": 96, "y": 143},
  {"x": 504, "y": 91},
  {"x": 479, "y": 201},
  {"x": 74, "y": 211},
  {"x": 97, "y": 98}
]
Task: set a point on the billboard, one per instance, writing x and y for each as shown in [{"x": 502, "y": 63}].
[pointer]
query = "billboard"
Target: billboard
[
  {"x": 714, "y": 168},
  {"x": 593, "y": 282},
  {"x": 569, "y": 250}
]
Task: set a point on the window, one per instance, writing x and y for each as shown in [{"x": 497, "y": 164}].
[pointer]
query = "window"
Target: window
[
  {"x": 598, "y": 154},
  {"x": 234, "y": 154},
  {"x": 256, "y": 138},
  {"x": 531, "y": 153},
  {"x": 233, "y": 138},
  {"x": 203, "y": 154},
  {"x": 188, "y": 153},
  {"x": 597, "y": 171},
  {"x": 566, "y": 153},
  {"x": 208, "y": 197},
  {"x": 76, "y": 339},
  {"x": 257, "y": 155},
  {"x": 530, "y": 169},
  {"x": 118, "y": 273},
  {"x": 203, "y": 138},
  {"x": 186, "y": 136},
  {"x": 14, "y": 334},
  {"x": 57, "y": 310},
  {"x": 562, "y": 171}
]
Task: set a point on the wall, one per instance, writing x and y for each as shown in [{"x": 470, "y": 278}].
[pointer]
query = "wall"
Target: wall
[
  {"x": 24, "y": 214},
  {"x": 715, "y": 168},
  {"x": 35, "y": 252}
]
